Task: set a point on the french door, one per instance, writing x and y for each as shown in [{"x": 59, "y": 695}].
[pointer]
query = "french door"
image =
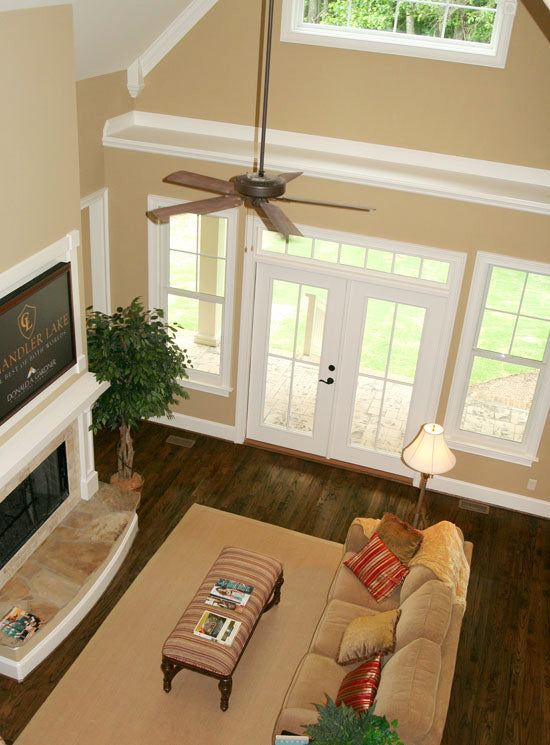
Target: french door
[
  {"x": 298, "y": 319},
  {"x": 341, "y": 368}
]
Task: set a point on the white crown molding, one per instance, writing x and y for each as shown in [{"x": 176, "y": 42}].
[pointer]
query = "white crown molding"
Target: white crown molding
[
  {"x": 417, "y": 171},
  {"x": 168, "y": 39}
]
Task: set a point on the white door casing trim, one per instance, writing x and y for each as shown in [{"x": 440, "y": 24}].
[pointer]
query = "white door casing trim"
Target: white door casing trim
[{"x": 98, "y": 206}]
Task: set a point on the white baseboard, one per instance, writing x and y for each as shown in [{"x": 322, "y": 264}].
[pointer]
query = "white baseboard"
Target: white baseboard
[
  {"x": 200, "y": 426},
  {"x": 487, "y": 495},
  {"x": 19, "y": 669}
]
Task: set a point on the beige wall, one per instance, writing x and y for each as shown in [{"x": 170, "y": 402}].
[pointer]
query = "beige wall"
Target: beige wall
[
  {"x": 98, "y": 99},
  {"x": 39, "y": 149},
  {"x": 486, "y": 113},
  {"x": 425, "y": 220},
  {"x": 467, "y": 110}
]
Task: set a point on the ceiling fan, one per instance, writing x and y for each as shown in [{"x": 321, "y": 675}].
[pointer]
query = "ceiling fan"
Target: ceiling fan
[{"x": 260, "y": 189}]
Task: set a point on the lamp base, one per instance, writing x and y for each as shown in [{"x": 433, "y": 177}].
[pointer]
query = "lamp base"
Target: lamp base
[{"x": 423, "y": 481}]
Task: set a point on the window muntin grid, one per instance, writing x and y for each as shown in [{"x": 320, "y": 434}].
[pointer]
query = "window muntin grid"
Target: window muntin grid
[
  {"x": 346, "y": 255},
  {"x": 195, "y": 291},
  {"x": 510, "y": 350},
  {"x": 465, "y": 21}
]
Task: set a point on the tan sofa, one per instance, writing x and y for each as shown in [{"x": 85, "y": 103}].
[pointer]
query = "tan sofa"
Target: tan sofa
[{"x": 416, "y": 680}]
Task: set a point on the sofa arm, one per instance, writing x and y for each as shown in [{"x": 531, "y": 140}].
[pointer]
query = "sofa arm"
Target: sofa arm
[{"x": 355, "y": 539}]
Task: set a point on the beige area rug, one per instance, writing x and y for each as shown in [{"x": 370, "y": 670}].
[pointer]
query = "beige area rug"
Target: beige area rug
[{"x": 113, "y": 692}]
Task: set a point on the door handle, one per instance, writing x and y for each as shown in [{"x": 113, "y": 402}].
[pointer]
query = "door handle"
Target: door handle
[{"x": 328, "y": 381}]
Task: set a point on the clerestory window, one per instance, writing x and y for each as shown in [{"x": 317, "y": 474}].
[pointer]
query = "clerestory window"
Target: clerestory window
[{"x": 471, "y": 31}]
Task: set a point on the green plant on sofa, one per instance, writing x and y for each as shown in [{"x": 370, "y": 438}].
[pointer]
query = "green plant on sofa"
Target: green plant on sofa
[
  {"x": 136, "y": 351},
  {"x": 340, "y": 725}
]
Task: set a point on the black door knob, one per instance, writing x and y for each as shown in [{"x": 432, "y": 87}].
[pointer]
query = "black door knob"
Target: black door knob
[
  {"x": 328, "y": 381},
  {"x": 331, "y": 368}
]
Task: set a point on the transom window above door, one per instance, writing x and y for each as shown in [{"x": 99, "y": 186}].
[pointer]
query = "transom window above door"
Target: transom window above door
[
  {"x": 376, "y": 256},
  {"x": 471, "y": 31}
]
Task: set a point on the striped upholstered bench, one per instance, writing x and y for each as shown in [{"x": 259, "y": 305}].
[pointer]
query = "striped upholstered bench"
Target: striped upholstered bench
[{"x": 184, "y": 649}]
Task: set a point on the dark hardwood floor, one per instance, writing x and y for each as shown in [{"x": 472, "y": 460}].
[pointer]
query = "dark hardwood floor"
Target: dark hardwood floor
[{"x": 501, "y": 687}]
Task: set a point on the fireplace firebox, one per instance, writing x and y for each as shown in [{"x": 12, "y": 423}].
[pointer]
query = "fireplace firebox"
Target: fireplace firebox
[{"x": 32, "y": 502}]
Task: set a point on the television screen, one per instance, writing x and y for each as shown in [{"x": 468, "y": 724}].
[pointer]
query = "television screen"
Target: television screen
[{"x": 37, "y": 342}]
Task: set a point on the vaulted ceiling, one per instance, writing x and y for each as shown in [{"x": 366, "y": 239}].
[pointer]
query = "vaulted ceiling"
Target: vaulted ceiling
[{"x": 111, "y": 34}]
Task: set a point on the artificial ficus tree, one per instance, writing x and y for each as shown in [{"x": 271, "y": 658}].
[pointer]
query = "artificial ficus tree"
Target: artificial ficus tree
[{"x": 137, "y": 353}]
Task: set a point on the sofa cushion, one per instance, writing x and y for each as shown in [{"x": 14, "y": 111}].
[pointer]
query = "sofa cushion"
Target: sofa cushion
[
  {"x": 377, "y": 568},
  {"x": 401, "y": 538},
  {"x": 316, "y": 676},
  {"x": 408, "y": 689},
  {"x": 416, "y": 577},
  {"x": 367, "y": 636},
  {"x": 359, "y": 687},
  {"x": 332, "y": 625},
  {"x": 346, "y": 586},
  {"x": 425, "y": 614}
]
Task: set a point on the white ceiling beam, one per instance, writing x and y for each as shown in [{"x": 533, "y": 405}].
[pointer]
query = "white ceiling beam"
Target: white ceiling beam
[{"x": 164, "y": 43}]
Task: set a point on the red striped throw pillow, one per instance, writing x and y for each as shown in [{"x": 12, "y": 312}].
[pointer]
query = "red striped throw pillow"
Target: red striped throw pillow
[
  {"x": 359, "y": 687},
  {"x": 377, "y": 568}
]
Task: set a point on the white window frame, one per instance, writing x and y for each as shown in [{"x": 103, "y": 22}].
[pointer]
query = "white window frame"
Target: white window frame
[
  {"x": 158, "y": 271},
  {"x": 523, "y": 453},
  {"x": 254, "y": 227},
  {"x": 294, "y": 29}
]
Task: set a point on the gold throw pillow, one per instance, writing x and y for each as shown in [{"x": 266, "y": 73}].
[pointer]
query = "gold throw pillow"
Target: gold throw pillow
[
  {"x": 367, "y": 636},
  {"x": 401, "y": 538}
]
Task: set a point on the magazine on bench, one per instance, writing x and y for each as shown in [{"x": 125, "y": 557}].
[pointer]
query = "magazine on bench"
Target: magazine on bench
[
  {"x": 19, "y": 625},
  {"x": 217, "y": 628},
  {"x": 236, "y": 593}
]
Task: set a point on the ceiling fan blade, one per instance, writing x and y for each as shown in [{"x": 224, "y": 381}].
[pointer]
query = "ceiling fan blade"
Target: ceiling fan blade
[
  {"x": 202, "y": 207},
  {"x": 198, "y": 181},
  {"x": 289, "y": 176},
  {"x": 279, "y": 220},
  {"x": 327, "y": 204}
]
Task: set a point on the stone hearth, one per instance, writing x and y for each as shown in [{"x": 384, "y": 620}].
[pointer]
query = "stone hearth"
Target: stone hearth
[{"x": 58, "y": 580}]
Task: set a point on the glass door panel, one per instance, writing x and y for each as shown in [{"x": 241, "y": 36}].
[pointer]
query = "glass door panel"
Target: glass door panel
[
  {"x": 384, "y": 374},
  {"x": 293, "y": 336}
]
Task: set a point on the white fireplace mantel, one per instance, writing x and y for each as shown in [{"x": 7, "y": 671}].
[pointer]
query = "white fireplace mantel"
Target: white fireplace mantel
[{"x": 74, "y": 403}]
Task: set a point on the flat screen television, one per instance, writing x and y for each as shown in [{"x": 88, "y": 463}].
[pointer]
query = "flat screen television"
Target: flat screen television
[{"x": 37, "y": 341}]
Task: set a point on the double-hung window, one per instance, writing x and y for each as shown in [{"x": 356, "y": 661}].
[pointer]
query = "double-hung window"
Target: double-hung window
[
  {"x": 472, "y": 31},
  {"x": 191, "y": 277},
  {"x": 501, "y": 389}
]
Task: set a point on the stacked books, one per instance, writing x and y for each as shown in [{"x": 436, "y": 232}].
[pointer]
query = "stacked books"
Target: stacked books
[{"x": 228, "y": 594}]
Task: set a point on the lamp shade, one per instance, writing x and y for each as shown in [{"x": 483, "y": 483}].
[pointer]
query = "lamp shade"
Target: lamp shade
[{"x": 428, "y": 452}]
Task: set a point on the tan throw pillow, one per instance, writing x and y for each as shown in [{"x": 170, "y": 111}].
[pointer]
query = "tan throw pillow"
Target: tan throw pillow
[
  {"x": 367, "y": 636},
  {"x": 401, "y": 538}
]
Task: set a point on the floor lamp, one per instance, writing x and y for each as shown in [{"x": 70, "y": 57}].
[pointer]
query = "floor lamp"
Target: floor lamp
[{"x": 429, "y": 454}]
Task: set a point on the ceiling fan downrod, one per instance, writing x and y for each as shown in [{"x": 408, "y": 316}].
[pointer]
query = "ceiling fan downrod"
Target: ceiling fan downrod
[{"x": 266, "y": 88}]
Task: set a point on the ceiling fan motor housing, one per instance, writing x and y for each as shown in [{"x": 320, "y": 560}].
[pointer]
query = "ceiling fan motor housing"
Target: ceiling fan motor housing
[{"x": 264, "y": 187}]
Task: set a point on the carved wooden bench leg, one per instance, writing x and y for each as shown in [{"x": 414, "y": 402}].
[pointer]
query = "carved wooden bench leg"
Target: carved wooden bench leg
[
  {"x": 225, "y": 685},
  {"x": 169, "y": 669},
  {"x": 276, "y": 597}
]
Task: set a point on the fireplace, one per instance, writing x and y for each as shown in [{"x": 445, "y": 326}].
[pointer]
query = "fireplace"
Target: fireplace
[{"x": 32, "y": 502}]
